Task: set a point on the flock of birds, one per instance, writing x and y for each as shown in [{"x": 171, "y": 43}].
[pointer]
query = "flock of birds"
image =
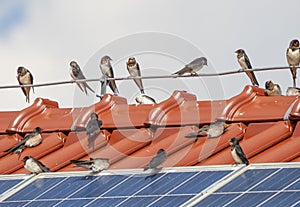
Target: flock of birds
[
  {"x": 93, "y": 128},
  {"x": 25, "y": 77}
]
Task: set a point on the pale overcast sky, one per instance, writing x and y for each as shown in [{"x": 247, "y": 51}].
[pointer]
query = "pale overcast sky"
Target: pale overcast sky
[{"x": 44, "y": 36}]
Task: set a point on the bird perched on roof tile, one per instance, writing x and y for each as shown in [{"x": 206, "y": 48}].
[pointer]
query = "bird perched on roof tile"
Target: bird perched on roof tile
[
  {"x": 77, "y": 74},
  {"x": 34, "y": 166},
  {"x": 293, "y": 91},
  {"x": 213, "y": 130},
  {"x": 237, "y": 152},
  {"x": 144, "y": 99},
  {"x": 272, "y": 89},
  {"x": 96, "y": 165},
  {"x": 93, "y": 129},
  {"x": 31, "y": 140},
  {"x": 293, "y": 58},
  {"x": 24, "y": 78},
  {"x": 193, "y": 67},
  {"x": 107, "y": 70},
  {"x": 245, "y": 64},
  {"x": 159, "y": 158},
  {"x": 134, "y": 70}
]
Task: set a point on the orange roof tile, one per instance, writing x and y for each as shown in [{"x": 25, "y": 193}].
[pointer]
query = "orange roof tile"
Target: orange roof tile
[{"x": 132, "y": 134}]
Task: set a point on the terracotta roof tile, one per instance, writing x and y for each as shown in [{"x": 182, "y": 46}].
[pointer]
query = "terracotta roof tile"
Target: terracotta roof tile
[{"x": 132, "y": 134}]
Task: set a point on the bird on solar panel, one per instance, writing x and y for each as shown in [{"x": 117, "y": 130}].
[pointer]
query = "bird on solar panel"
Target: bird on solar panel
[
  {"x": 293, "y": 91},
  {"x": 34, "y": 166},
  {"x": 213, "y": 130},
  {"x": 93, "y": 129},
  {"x": 31, "y": 140},
  {"x": 245, "y": 64},
  {"x": 272, "y": 89},
  {"x": 144, "y": 99},
  {"x": 237, "y": 152},
  {"x": 160, "y": 157},
  {"x": 193, "y": 67},
  {"x": 96, "y": 165}
]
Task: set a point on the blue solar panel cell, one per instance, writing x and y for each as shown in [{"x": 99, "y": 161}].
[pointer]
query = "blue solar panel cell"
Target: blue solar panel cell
[
  {"x": 105, "y": 202},
  {"x": 284, "y": 199},
  {"x": 12, "y": 204},
  {"x": 7, "y": 184},
  {"x": 216, "y": 200},
  {"x": 171, "y": 201},
  {"x": 35, "y": 189},
  {"x": 200, "y": 182},
  {"x": 247, "y": 180}
]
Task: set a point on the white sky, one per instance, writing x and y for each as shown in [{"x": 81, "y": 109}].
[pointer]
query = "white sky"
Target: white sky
[{"x": 44, "y": 36}]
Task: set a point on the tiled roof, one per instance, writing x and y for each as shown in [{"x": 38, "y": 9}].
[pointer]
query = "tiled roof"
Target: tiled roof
[{"x": 132, "y": 134}]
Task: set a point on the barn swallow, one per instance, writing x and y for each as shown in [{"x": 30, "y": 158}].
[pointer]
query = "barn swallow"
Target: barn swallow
[
  {"x": 93, "y": 129},
  {"x": 96, "y": 165},
  {"x": 293, "y": 91},
  {"x": 77, "y": 74},
  {"x": 31, "y": 140},
  {"x": 160, "y": 157},
  {"x": 293, "y": 58},
  {"x": 193, "y": 67},
  {"x": 237, "y": 152},
  {"x": 272, "y": 89},
  {"x": 107, "y": 70},
  {"x": 245, "y": 64},
  {"x": 213, "y": 130},
  {"x": 34, "y": 166},
  {"x": 144, "y": 99},
  {"x": 25, "y": 78},
  {"x": 134, "y": 70}
]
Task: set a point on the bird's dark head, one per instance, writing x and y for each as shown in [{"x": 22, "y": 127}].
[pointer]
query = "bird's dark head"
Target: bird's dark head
[
  {"x": 26, "y": 158},
  {"x": 161, "y": 151},
  {"x": 294, "y": 43},
  {"x": 234, "y": 141},
  {"x": 131, "y": 60},
  {"x": 21, "y": 70},
  {"x": 73, "y": 64},
  {"x": 94, "y": 115},
  {"x": 37, "y": 129},
  {"x": 204, "y": 61},
  {"x": 105, "y": 59},
  {"x": 269, "y": 85},
  {"x": 239, "y": 51}
]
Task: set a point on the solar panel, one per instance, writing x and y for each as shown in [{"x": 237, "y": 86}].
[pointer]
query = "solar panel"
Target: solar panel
[
  {"x": 163, "y": 189},
  {"x": 259, "y": 187},
  {"x": 7, "y": 184}
]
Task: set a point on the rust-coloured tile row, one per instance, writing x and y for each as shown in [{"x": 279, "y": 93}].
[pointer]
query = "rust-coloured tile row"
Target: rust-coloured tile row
[{"x": 132, "y": 134}]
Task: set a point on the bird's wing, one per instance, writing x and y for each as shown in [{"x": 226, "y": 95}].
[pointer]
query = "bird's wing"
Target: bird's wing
[
  {"x": 23, "y": 89},
  {"x": 42, "y": 166},
  {"x": 247, "y": 61},
  {"x": 82, "y": 163},
  {"x": 241, "y": 154},
  {"x": 31, "y": 78}
]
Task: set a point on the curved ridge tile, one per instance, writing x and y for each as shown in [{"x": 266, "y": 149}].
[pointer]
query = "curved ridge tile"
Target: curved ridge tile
[
  {"x": 252, "y": 106},
  {"x": 180, "y": 109},
  {"x": 295, "y": 112},
  {"x": 19, "y": 123}
]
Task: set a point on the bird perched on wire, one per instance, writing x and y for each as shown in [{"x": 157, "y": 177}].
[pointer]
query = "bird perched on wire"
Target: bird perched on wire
[
  {"x": 77, "y": 74},
  {"x": 237, "y": 152},
  {"x": 160, "y": 157},
  {"x": 134, "y": 70},
  {"x": 34, "y": 166},
  {"x": 24, "y": 78},
  {"x": 293, "y": 91},
  {"x": 93, "y": 129},
  {"x": 213, "y": 130},
  {"x": 245, "y": 64},
  {"x": 293, "y": 58},
  {"x": 31, "y": 140},
  {"x": 272, "y": 89},
  {"x": 96, "y": 165},
  {"x": 193, "y": 67},
  {"x": 107, "y": 70},
  {"x": 144, "y": 99}
]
